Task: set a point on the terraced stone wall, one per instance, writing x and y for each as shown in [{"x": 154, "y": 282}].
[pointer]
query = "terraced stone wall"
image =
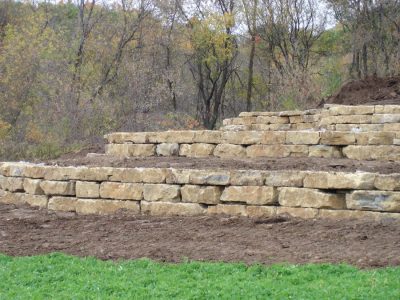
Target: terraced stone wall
[{"x": 168, "y": 191}]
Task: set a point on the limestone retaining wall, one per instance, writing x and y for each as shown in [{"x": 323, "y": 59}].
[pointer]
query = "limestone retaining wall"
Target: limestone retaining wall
[{"x": 168, "y": 191}]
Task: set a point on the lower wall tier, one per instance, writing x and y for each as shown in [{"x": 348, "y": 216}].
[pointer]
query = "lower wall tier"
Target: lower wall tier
[{"x": 168, "y": 191}]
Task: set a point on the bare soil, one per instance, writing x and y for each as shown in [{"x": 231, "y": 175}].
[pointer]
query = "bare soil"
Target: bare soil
[
  {"x": 288, "y": 163},
  {"x": 27, "y": 231},
  {"x": 368, "y": 91}
]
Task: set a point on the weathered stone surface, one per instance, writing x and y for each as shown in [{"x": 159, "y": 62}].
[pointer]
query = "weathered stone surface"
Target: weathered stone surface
[
  {"x": 268, "y": 151},
  {"x": 272, "y": 120},
  {"x": 261, "y": 211},
  {"x": 303, "y": 197},
  {"x": 374, "y": 200},
  {"x": 337, "y": 138},
  {"x": 248, "y": 177},
  {"x": 171, "y": 209},
  {"x": 130, "y": 150},
  {"x": 354, "y": 214},
  {"x": 201, "y": 194},
  {"x": 13, "y": 169},
  {"x": 196, "y": 150},
  {"x": 255, "y": 195},
  {"x": 207, "y": 136},
  {"x": 388, "y": 182},
  {"x": 359, "y": 127},
  {"x": 284, "y": 178},
  {"x": 325, "y": 151},
  {"x": 229, "y": 150},
  {"x": 236, "y": 127},
  {"x": 347, "y": 119},
  {"x": 62, "y": 203},
  {"x": 351, "y": 110},
  {"x": 384, "y": 152},
  {"x": 302, "y": 137},
  {"x": 387, "y": 109},
  {"x": 386, "y": 118},
  {"x": 339, "y": 180},
  {"x": 94, "y": 173},
  {"x": 61, "y": 173},
  {"x": 11, "y": 198},
  {"x": 58, "y": 188},
  {"x": 178, "y": 176},
  {"x": 304, "y": 126},
  {"x": 298, "y": 150},
  {"x": 12, "y": 184},
  {"x": 180, "y": 137},
  {"x": 244, "y": 121},
  {"x": 138, "y": 175},
  {"x": 21, "y": 198},
  {"x": 162, "y": 192},
  {"x": 298, "y": 212},
  {"x": 167, "y": 149},
  {"x": 86, "y": 189},
  {"x": 391, "y": 127},
  {"x": 105, "y": 207},
  {"x": 209, "y": 177},
  {"x": 273, "y": 137},
  {"x": 242, "y": 137},
  {"x": 228, "y": 209},
  {"x": 32, "y": 186},
  {"x": 375, "y": 138},
  {"x": 35, "y": 171},
  {"x": 36, "y": 200},
  {"x": 122, "y": 191},
  {"x": 124, "y": 137}
]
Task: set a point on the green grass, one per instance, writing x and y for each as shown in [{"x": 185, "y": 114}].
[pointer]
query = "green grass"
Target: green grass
[{"x": 57, "y": 276}]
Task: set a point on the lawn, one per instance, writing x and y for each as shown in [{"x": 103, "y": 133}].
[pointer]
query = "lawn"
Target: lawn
[{"x": 58, "y": 276}]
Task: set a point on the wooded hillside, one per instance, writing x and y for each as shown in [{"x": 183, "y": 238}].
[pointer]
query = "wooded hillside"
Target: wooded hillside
[{"x": 73, "y": 71}]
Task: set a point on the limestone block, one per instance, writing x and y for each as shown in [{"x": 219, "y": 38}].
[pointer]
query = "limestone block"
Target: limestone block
[
  {"x": 127, "y": 137},
  {"x": 387, "y": 109},
  {"x": 180, "y": 137},
  {"x": 130, "y": 150},
  {"x": 396, "y": 142},
  {"x": 254, "y": 195},
  {"x": 21, "y": 198},
  {"x": 249, "y": 114},
  {"x": 242, "y": 137},
  {"x": 337, "y": 138},
  {"x": 227, "y": 122},
  {"x": 291, "y": 113},
  {"x": 94, "y": 173},
  {"x": 58, "y": 188},
  {"x": 12, "y": 184},
  {"x": 339, "y": 180},
  {"x": 388, "y": 182},
  {"x": 261, "y": 211},
  {"x": 304, "y": 126},
  {"x": 250, "y": 177},
  {"x": 386, "y": 118},
  {"x": 273, "y": 137},
  {"x": 302, "y": 197},
  {"x": 86, "y": 189},
  {"x": 13, "y": 169},
  {"x": 272, "y": 120},
  {"x": 11, "y": 198},
  {"x": 228, "y": 209},
  {"x": 236, "y": 127},
  {"x": 284, "y": 178},
  {"x": 325, "y": 151},
  {"x": 298, "y": 212},
  {"x": 384, "y": 152},
  {"x": 162, "y": 192},
  {"x": 207, "y": 136},
  {"x": 62, "y": 203},
  {"x": 138, "y": 175},
  {"x": 359, "y": 127},
  {"x": 229, "y": 150},
  {"x": 178, "y": 176},
  {"x": 35, "y": 171},
  {"x": 391, "y": 127},
  {"x": 32, "y": 186},
  {"x": 197, "y": 150},
  {"x": 355, "y": 214},
  {"x": 375, "y": 138},
  {"x": 201, "y": 194},
  {"x": 268, "y": 151},
  {"x": 105, "y": 207},
  {"x": 172, "y": 209},
  {"x": 298, "y": 150},
  {"x": 262, "y": 127},
  {"x": 61, "y": 173},
  {"x": 167, "y": 149},
  {"x": 374, "y": 200},
  {"x": 302, "y": 137},
  {"x": 244, "y": 121},
  {"x": 36, "y": 200},
  {"x": 346, "y": 119},
  {"x": 351, "y": 110},
  {"x": 121, "y": 191},
  {"x": 209, "y": 177}
]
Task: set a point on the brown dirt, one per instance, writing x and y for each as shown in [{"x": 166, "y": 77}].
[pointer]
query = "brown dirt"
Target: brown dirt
[
  {"x": 26, "y": 231},
  {"x": 369, "y": 91},
  {"x": 288, "y": 163}
]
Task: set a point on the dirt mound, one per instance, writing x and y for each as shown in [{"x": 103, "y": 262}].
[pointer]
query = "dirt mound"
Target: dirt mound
[
  {"x": 26, "y": 231},
  {"x": 368, "y": 91}
]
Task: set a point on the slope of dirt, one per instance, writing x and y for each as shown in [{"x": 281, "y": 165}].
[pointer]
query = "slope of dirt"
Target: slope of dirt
[
  {"x": 26, "y": 231},
  {"x": 287, "y": 163},
  {"x": 369, "y": 91}
]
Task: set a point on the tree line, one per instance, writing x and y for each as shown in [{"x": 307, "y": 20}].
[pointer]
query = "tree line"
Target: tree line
[{"x": 71, "y": 71}]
